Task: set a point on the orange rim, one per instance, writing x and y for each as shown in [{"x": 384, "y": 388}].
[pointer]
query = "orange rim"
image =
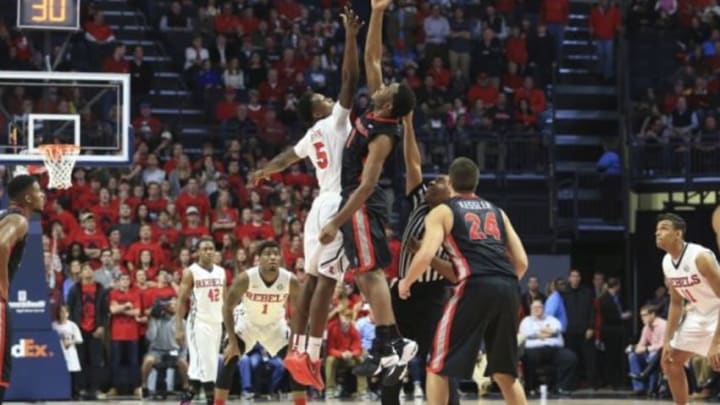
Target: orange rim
[{"x": 57, "y": 152}]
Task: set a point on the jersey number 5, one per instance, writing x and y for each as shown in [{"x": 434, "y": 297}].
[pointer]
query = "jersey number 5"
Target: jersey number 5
[
  {"x": 488, "y": 225},
  {"x": 322, "y": 158},
  {"x": 214, "y": 294}
]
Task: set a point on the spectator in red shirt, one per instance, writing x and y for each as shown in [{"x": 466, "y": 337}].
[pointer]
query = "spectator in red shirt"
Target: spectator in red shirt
[
  {"x": 97, "y": 31},
  {"x": 534, "y": 96},
  {"x": 226, "y": 22},
  {"x": 293, "y": 252},
  {"x": 92, "y": 240},
  {"x": 106, "y": 214},
  {"x": 87, "y": 301},
  {"x": 272, "y": 89},
  {"x": 604, "y": 25},
  {"x": 224, "y": 217},
  {"x": 556, "y": 14},
  {"x": 227, "y": 108},
  {"x": 164, "y": 231},
  {"x": 146, "y": 126},
  {"x": 132, "y": 256},
  {"x": 148, "y": 265},
  {"x": 343, "y": 351},
  {"x": 116, "y": 63},
  {"x": 440, "y": 74},
  {"x": 192, "y": 197},
  {"x": 516, "y": 47},
  {"x": 124, "y": 309},
  {"x": 65, "y": 218},
  {"x": 483, "y": 90},
  {"x": 193, "y": 231},
  {"x": 257, "y": 229}
]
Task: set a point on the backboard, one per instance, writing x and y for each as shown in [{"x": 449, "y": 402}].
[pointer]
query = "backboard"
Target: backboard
[{"x": 90, "y": 110}]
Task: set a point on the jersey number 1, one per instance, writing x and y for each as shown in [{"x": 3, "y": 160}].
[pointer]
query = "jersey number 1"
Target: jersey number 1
[
  {"x": 214, "y": 294},
  {"x": 322, "y": 158},
  {"x": 489, "y": 226},
  {"x": 687, "y": 295}
]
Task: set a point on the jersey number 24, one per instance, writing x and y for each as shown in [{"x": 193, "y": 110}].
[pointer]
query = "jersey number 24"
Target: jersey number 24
[{"x": 480, "y": 229}]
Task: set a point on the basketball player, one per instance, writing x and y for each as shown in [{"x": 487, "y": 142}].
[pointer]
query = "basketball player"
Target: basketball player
[
  {"x": 692, "y": 272},
  {"x": 255, "y": 311},
  {"x": 488, "y": 258},
  {"x": 26, "y": 197},
  {"x": 365, "y": 207},
  {"x": 323, "y": 144},
  {"x": 418, "y": 316},
  {"x": 204, "y": 283}
]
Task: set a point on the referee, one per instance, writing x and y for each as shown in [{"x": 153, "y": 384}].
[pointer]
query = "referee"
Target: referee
[{"x": 418, "y": 315}]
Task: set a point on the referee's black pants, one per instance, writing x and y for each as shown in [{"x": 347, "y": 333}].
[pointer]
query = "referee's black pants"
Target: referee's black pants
[{"x": 417, "y": 318}]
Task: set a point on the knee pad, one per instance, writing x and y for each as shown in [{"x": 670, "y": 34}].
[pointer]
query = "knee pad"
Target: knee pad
[{"x": 227, "y": 374}]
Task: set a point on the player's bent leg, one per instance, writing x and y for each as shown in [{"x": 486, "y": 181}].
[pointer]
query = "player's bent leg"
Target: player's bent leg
[
  {"x": 436, "y": 389},
  {"x": 674, "y": 369},
  {"x": 374, "y": 287},
  {"x": 512, "y": 391},
  {"x": 148, "y": 362},
  {"x": 225, "y": 378}
]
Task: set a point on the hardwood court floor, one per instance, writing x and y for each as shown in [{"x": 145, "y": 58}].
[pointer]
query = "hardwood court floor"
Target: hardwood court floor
[{"x": 600, "y": 401}]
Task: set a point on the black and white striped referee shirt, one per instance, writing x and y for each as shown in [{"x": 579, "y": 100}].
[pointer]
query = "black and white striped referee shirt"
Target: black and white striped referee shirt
[{"x": 415, "y": 229}]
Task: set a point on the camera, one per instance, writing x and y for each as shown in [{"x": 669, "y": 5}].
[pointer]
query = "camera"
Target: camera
[{"x": 160, "y": 309}]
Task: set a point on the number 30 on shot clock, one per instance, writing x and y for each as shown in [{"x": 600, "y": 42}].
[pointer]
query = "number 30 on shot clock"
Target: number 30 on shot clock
[{"x": 49, "y": 14}]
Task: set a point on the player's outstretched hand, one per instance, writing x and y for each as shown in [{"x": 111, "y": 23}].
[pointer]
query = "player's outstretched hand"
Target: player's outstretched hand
[
  {"x": 231, "y": 350},
  {"x": 667, "y": 354},
  {"x": 257, "y": 176},
  {"x": 713, "y": 357},
  {"x": 404, "y": 289},
  {"x": 380, "y": 4},
  {"x": 351, "y": 21},
  {"x": 328, "y": 233}
]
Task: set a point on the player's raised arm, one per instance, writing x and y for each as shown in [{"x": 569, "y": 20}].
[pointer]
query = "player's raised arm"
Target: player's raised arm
[
  {"x": 378, "y": 150},
  {"x": 514, "y": 248},
  {"x": 373, "y": 45},
  {"x": 438, "y": 224},
  {"x": 186, "y": 286},
  {"x": 279, "y": 163},
  {"x": 411, "y": 152},
  {"x": 350, "y": 67},
  {"x": 234, "y": 296}
]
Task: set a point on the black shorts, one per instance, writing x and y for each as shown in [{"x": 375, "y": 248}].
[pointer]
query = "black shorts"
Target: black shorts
[
  {"x": 418, "y": 316},
  {"x": 5, "y": 345},
  {"x": 481, "y": 309},
  {"x": 365, "y": 242}
]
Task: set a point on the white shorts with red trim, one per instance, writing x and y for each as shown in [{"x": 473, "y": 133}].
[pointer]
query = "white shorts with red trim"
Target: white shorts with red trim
[{"x": 328, "y": 260}]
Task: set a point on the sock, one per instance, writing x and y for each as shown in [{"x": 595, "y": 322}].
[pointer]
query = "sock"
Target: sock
[
  {"x": 219, "y": 402},
  {"x": 393, "y": 332},
  {"x": 297, "y": 401},
  {"x": 301, "y": 343},
  {"x": 314, "y": 346}
]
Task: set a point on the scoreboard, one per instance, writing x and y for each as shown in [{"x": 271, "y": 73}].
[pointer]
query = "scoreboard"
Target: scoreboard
[{"x": 49, "y": 14}]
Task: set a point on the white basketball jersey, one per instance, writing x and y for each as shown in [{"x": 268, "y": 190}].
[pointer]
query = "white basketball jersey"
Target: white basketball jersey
[
  {"x": 685, "y": 278},
  {"x": 265, "y": 304},
  {"x": 323, "y": 144},
  {"x": 207, "y": 293}
]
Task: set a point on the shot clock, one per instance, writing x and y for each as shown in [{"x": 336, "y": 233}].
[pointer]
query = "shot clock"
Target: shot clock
[{"x": 49, "y": 14}]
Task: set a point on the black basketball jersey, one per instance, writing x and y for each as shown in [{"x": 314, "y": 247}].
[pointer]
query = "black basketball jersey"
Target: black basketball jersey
[
  {"x": 365, "y": 128},
  {"x": 18, "y": 249},
  {"x": 476, "y": 244}
]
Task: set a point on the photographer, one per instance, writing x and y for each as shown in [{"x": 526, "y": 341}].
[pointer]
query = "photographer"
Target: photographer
[{"x": 163, "y": 348}]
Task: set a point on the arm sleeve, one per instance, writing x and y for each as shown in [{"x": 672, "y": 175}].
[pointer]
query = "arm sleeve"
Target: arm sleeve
[
  {"x": 302, "y": 148},
  {"x": 340, "y": 115}
]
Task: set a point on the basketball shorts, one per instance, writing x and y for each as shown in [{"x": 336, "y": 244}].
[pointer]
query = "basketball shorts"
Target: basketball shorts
[
  {"x": 5, "y": 345},
  {"x": 418, "y": 316},
  {"x": 273, "y": 337},
  {"x": 479, "y": 309},
  {"x": 203, "y": 342},
  {"x": 366, "y": 245},
  {"x": 328, "y": 260},
  {"x": 695, "y": 333}
]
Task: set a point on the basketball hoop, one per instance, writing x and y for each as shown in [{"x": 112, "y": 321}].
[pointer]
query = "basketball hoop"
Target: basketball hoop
[{"x": 59, "y": 160}]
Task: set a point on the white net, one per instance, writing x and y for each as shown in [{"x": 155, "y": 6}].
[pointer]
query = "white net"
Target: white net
[{"x": 59, "y": 160}]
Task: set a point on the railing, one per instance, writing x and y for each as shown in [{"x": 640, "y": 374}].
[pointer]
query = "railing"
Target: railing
[{"x": 683, "y": 159}]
